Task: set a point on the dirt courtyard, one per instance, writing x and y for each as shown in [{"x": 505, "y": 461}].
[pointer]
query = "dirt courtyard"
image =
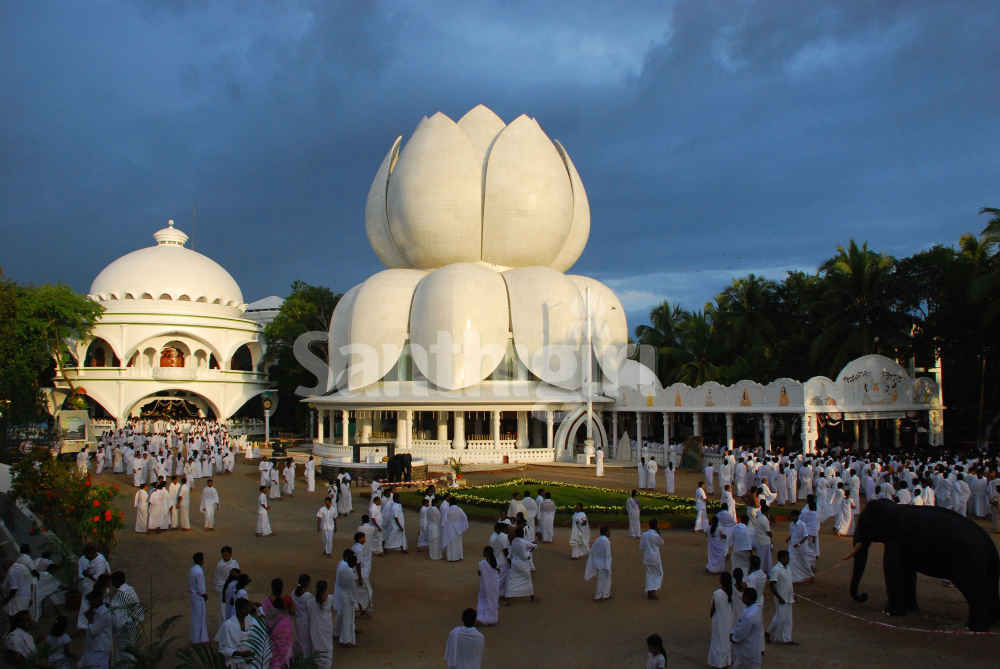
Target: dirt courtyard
[{"x": 417, "y": 601}]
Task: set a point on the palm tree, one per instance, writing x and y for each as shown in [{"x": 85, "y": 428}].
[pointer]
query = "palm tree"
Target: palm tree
[
  {"x": 662, "y": 335},
  {"x": 859, "y": 317},
  {"x": 745, "y": 318},
  {"x": 698, "y": 348}
]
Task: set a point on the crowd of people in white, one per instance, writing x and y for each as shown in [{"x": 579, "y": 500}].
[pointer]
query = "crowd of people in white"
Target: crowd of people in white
[{"x": 172, "y": 455}]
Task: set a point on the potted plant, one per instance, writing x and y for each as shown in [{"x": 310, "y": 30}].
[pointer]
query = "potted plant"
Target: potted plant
[{"x": 456, "y": 468}]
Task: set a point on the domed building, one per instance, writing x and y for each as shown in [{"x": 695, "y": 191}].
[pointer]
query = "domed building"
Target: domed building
[
  {"x": 173, "y": 333},
  {"x": 474, "y": 343}
]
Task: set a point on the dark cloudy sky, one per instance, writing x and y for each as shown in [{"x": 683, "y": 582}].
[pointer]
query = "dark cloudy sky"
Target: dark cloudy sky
[{"x": 714, "y": 138}]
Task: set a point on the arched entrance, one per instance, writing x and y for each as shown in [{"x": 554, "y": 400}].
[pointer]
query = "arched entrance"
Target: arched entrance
[
  {"x": 174, "y": 404},
  {"x": 569, "y": 434}
]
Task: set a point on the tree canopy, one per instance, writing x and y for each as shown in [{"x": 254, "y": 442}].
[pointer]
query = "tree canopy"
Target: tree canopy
[
  {"x": 942, "y": 300},
  {"x": 36, "y": 322}
]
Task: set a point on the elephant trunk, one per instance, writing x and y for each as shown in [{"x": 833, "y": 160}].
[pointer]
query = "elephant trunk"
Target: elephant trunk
[{"x": 860, "y": 561}]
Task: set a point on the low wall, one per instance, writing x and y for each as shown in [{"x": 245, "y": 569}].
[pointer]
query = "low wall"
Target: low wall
[{"x": 438, "y": 454}]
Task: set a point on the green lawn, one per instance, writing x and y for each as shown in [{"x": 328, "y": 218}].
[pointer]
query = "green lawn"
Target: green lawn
[{"x": 602, "y": 505}]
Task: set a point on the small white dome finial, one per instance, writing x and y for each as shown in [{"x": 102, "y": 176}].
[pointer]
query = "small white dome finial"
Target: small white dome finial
[{"x": 170, "y": 236}]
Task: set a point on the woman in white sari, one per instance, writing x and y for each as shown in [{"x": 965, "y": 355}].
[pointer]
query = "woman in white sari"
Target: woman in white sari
[
  {"x": 321, "y": 625},
  {"x": 488, "y": 604},
  {"x": 718, "y": 548},
  {"x": 434, "y": 530},
  {"x": 579, "y": 538},
  {"x": 633, "y": 509},
  {"x": 719, "y": 650},
  {"x": 519, "y": 583},
  {"x": 547, "y": 518},
  {"x": 844, "y": 525}
]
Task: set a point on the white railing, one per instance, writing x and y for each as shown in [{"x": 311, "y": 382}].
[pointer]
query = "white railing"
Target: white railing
[{"x": 437, "y": 453}]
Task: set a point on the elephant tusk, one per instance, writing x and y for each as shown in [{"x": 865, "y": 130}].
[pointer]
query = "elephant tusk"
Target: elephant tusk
[{"x": 853, "y": 552}]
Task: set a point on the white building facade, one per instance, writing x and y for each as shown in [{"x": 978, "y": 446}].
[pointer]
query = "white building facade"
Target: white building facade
[{"x": 173, "y": 329}]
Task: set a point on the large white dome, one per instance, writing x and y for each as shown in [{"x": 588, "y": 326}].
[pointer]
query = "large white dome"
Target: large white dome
[{"x": 167, "y": 271}]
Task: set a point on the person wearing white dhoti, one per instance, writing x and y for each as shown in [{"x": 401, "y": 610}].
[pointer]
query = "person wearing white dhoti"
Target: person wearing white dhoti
[
  {"x": 670, "y": 474},
  {"x": 301, "y": 598},
  {"x": 514, "y": 507},
  {"x": 844, "y": 523},
  {"x": 321, "y": 625},
  {"x": 599, "y": 462},
  {"x": 364, "y": 592},
  {"x": 343, "y": 599},
  {"x": 173, "y": 491},
  {"x": 519, "y": 580},
  {"x": 141, "y": 504},
  {"x": 310, "y": 474},
  {"x": 701, "y": 508},
  {"x": 19, "y": 586},
  {"x": 422, "y": 520},
  {"x": 99, "y": 633},
  {"x": 760, "y": 533},
  {"x": 265, "y": 472},
  {"x": 395, "y": 526},
  {"x": 720, "y": 649},
  {"x": 138, "y": 471},
  {"x": 455, "y": 525},
  {"x": 718, "y": 547},
  {"x": 547, "y": 518},
  {"x": 599, "y": 565},
  {"x": 579, "y": 537},
  {"x": 434, "y": 530},
  {"x": 728, "y": 501},
  {"x": 326, "y": 525},
  {"x": 488, "y": 602},
  {"x": 634, "y": 510},
  {"x": 376, "y": 519},
  {"x": 780, "y": 629},
  {"x": 641, "y": 470},
  {"x": 464, "y": 648},
  {"x": 234, "y": 635},
  {"x": 274, "y": 481},
  {"x": 223, "y": 567},
  {"x": 288, "y": 476},
  {"x": 799, "y": 565},
  {"x": 650, "y": 544},
  {"x": 651, "y": 469},
  {"x": 263, "y": 520},
  {"x": 198, "y": 596},
  {"x": 709, "y": 472},
  {"x": 184, "y": 505},
  {"x": 747, "y": 636},
  {"x": 209, "y": 503}
]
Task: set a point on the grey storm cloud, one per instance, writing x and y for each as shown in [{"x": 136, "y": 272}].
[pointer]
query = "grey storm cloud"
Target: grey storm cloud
[{"x": 714, "y": 138}]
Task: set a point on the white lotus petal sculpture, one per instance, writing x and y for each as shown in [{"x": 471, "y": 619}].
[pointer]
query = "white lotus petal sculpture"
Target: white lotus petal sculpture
[
  {"x": 477, "y": 222},
  {"x": 477, "y": 190}
]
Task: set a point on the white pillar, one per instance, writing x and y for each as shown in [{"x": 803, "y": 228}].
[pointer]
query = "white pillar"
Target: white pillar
[
  {"x": 409, "y": 428},
  {"x": 442, "y": 426},
  {"x": 897, "y": 440},
  {"x": 730, "y": 440},
  {"x": 365, "y": 420},
  {"x": 864, "y": 437},
  {"x": 666, "y": 429},
  {"x": 319, "y": 426},
  {"x": 550, "y": 421},
  {"x": 696, "y": 424},
  {"x": 522, "y": 429},
  {"x": 401, "y": 430},
  {"x": 768, "y": 426},
  {"x": 614, "y": 434},
  {"x": 804, "y": 418},
  {"x": 344, "y": 424},
  {"x": 458, "y": 440},
  {"x": 857, "y": 433},
  {"x": 495, "y": 427},
  {"x": 638, "y": 433}
]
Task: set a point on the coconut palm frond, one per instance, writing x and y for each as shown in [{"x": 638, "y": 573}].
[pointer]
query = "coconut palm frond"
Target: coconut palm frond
[
  {"x": 259, "y": 641},
  {"x": 200, "y": 657},
  {"x": 310, "y": 661}
]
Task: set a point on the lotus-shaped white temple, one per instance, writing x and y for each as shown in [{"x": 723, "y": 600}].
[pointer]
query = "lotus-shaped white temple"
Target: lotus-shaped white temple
[{"x": 477, "y": 190}]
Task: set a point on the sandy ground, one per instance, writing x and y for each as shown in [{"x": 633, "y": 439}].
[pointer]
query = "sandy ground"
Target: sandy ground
[{"x": 418, "y": 600}]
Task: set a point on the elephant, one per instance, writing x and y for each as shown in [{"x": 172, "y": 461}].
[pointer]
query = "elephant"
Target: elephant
[
  {"x": 400, "y": 467},
  {"x": 933, "y": 541}
]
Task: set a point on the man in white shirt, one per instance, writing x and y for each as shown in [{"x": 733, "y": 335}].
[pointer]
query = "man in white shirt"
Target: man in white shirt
[
  {"x": 225, "y": 565},
  {"x": 464, "y": 649},
  {"x": 198, "y": 596},
  {"x": 90, "y": 567},
  {"x": 650, "y": 544},
  {"x": 747, "y": 634},
  {"x": 233, "y": 634},
  {"x": 742, "y": 545},
  {"x": 651, "y": 469},
  {"x": 780, "y": 629},
  {"x": 209, "y": 503},
  {"x": 326, "y": 525}
]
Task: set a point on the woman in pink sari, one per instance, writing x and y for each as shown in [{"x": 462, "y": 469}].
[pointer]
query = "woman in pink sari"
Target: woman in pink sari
[{"x": 280, "y": 623}]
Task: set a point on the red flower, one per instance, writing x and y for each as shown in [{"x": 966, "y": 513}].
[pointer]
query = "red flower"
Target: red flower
[
  {"x": 121, "y": 514},
  {"x": 87, "y": 482},
  {"x": 44, "y": 530},
  {"x": 96, "y": 518},
  {"x": 96, "y": 503},
  {"x": 94, "y": 530},
  {"x": 107, "y": 515}
]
